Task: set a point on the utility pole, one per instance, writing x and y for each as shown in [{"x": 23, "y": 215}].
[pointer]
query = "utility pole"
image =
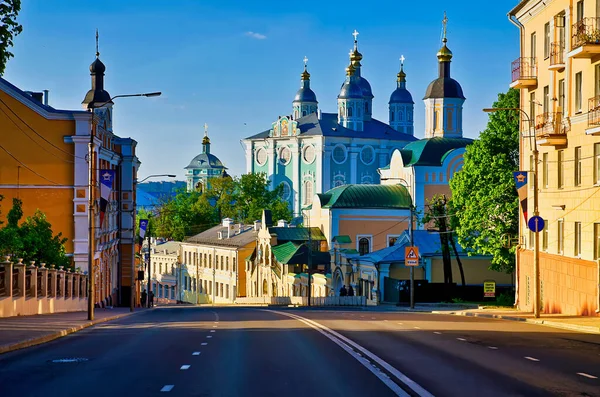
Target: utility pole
[
  {"x": 536, "y": 251},
  {"x": 91, "y": 216},
  {"x": 149, "y": 266},
  {"x": 309, "y": 262},
  {"x": 412, "y": 270}
]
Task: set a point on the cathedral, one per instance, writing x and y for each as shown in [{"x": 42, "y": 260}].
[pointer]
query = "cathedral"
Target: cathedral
[
  {"x": 204, "y": 167},
  {"x": 310, "y": 152}
]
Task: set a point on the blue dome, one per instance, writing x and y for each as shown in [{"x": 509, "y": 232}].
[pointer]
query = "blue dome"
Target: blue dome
[
  {"x": 305, "y": 94},
  {"x": 365, "y": 87},
  {"x": 401, "y": 95},
  {"x": 350, "y": 90},
  {"x": 205, "y": 161}
]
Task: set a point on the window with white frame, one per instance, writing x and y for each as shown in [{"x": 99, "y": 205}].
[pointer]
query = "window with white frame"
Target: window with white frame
[
  {"x": 364, "y": 244},
  {"x": 309, "y": 154},
  {"x": 596, "y": 163},
  {"x": 596, "y": 241},
  {"x": 577, "y": 250},
  {"x": 308, "y": 192},
  {"x": 367, "y": 155},
  {"x": 391, "y": 239},
  {"x": 285, "y": 155},
  {"x": 560, "y": 236},
  {"x": 578, "y": 92},
  {"x": 261, "y": 156},
  {"x": 339, "y": 154}
]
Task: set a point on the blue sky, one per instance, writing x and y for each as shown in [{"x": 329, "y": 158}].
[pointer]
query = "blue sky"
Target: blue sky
[{"x": 210, "y": 69}]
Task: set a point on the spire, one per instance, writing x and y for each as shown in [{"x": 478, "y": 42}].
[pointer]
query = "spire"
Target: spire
[
  {"x": 97, "y": 97},
  {"x": 401, "y": 75},
  {"x": 206, "y": 140},
  {"x": 305, "y": 75},
  {"x": 444, "y": 54},
  {"x": 355, "y": 56}
]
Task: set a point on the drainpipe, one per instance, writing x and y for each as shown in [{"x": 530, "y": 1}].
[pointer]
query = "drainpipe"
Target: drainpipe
[{"x": 520, "y": 26}]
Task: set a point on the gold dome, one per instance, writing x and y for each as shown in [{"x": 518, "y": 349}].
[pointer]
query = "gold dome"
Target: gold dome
[
  {"x": 205, "y": 140},
  {"x": 444, "y": 54},
  {"x": 401, "y": 76},
  {"x": 305, "y": 75},
  {"x": 356, "y": 56},
  {"x": 350, "y": 70}
]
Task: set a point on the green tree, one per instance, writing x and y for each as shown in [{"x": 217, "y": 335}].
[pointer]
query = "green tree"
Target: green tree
[
  {"x": 9, "y": 29},
  {"x": 483, "y": 192},
  {"x": 253, "y": 195}
]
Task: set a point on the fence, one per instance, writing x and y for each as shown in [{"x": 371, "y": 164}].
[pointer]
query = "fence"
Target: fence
[
  {"x": 29, "y": 289},
  {"x": 303, "y": 301}
]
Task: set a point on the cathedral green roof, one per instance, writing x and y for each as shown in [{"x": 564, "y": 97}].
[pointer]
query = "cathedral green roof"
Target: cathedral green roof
[
  {"x": 431, "y": 151},
  {"x": 366, "y": 196}
]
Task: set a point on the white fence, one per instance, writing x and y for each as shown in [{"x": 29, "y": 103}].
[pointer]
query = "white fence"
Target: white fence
[{"x": 303, "y": 301}]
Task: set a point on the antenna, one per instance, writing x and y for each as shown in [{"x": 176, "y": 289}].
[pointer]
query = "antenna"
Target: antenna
[{"x": 97, "y": 51}]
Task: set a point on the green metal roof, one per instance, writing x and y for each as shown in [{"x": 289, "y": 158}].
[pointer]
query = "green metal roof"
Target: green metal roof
[
  {"x": 297, "y": 233},
  {"x": 344, "y": 239},
  {"x": 431, "y": 151},
  {"x": 252, "y": 256},
  {"x": 284, "y": 252},
  {"x": 366, "y": 196}
]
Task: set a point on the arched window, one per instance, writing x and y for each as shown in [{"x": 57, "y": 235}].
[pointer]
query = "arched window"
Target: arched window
[
  {"x": 366, "y": 107},
  {"x": 265, "y": 288},
  {"x": 349, "y": 110},
  {"x": 303, "y": 113},
  {"x": 392, "y": 113},
  {"x": 308, "y": 192},
  {"x": 363, "y": 246},
  {"x": 400, "y": 115},
  {"x": 341, "y": 111}
]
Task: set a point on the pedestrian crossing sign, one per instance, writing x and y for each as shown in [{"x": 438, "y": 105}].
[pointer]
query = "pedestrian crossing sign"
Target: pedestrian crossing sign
[{"x": 411, "y": 256}]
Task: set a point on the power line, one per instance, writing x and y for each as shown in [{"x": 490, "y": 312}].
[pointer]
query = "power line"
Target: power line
[{"x": 24, "y": 165}]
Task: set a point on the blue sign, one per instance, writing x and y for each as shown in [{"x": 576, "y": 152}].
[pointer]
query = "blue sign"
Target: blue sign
[
  {"x": 536, "y": 224},
  {"x": 520, "y": 178}
]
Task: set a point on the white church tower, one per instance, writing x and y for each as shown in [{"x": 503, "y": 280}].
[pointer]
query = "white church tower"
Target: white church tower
[
  {"x": 401, "y": 105},
  {"x": 305, "y": 101}
]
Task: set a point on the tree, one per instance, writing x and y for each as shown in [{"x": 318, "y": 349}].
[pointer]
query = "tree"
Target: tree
[
  {"x": 253, "y": 195},
  {"x": 483, "y": 192},
  {"x": 9, "y": 29}
]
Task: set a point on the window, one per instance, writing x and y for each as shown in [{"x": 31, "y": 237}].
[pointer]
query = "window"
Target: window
[
  {"x": 578, "y": 94},
  {"x": 285, "y": 155},
  {"x": 560, "y": 174},
  {"x": 287, "y": 191},
  {"x": 339, "y": 154},
  {"x": 532, "y": 106},
  {"x": 234, "y": 265},
  {"x": 349, "y": 110},
  {"x": 392, "y": 113},
  {"x": 435, "y": 119},
  {"x": 532, "y": 45},
  {"x": 367, "y": 155},
  {"x": 364, "y": 246},
  {"x": 392, "y": 240},
  {"x": 545, "y": 170},
  {"x": 597, "y": 83},
  {"x": 596, "y": 163},
  {"x": 577, "y": 250},
  {"x": 561, "y": 236},
  {"x": 561, "y": 95},
  {"x": 261, "y": 156},
  {"x": 309, "y": 154},
  {"x": 545, "y": 236},
  {"x": 578, "y": 166},
  {"x": 596, "y": 240},
  {"x": 531, "y": 239},
  {"x": 579, "y": 13},
  {"x": 546, "y": 40},
  {"x": 546, "y": 99},
  {"x": 308, "y": 192},
  {"x": 366, "y": 107},
  {"x": 227, "y": 263}
]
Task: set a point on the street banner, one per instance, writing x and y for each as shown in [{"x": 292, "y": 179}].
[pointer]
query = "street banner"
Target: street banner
[
  {"x": 106, "y": 187},
  {"x": 143, "y": 227},
  {"x": 521, "y": 184}
]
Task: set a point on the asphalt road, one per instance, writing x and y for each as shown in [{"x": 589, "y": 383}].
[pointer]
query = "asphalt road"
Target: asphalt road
[{"x": 228, "y": 351}]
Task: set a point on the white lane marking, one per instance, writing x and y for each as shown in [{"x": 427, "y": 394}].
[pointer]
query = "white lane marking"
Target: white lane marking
[
  {"x": 461, "y": 339},
  {"x": 587, "y": 375},
  {"x": 385, "y": 320},
  {"x": 195, "y": 353},
  {"x": 368, "y": 365},
  {"x": 185, "y": 367},
  {"x": 437, "y": 333},
  {"x": 417, "y": 327},
  {"x": 399, "y": 323},
  {"x": 531, "y": 358},
  {"x": 212, "y": 330},
  {"x": 209, "y": 336},
  {"x": 329, "y": 333},
  {"x": 492, "y": 347},
  {"x": 167, "y": 388},
  {"x": 204, "y": 343},
  {"x": 215, "y": 326}
]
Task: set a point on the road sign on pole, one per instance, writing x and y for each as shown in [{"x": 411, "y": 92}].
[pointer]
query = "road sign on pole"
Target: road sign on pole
[
  {"x": 536, "y": 224},
  {"x": 411, "y": 256}
]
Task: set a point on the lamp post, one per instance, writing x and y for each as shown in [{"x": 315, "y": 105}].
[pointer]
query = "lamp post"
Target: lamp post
[
  {"x": 412, "y": 243},
  {"x": 92, "y": 199},
  {"x": 155, "y": 176},
  {"x": 536, "y": 248}
]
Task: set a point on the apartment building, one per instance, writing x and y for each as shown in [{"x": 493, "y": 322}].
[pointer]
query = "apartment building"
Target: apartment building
[{"x": 558, "y": 74}]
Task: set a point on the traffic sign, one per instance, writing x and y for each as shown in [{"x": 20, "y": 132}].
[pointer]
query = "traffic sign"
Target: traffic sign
[
  {"x": 489, "y": 289},
  {"x": 411, "y": 256},
  {"x": 536, "y": 224}
]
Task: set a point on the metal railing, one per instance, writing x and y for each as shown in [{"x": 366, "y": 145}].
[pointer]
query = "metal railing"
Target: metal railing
[
  {"x": 594, "y": 111},
  {"x": 551, "y": 123},
  {"x": 585, "y": 31},
  {"x": 524, "y": 68},
  {"x": 557, "y": 53}
]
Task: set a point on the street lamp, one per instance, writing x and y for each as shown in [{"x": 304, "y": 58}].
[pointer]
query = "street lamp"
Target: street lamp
[
  {"x": 536, "y": 249},
  {"x": 92, "y": 199},
  {"x": 156, "y": 176},
  {"x": 412, "y": 243}
]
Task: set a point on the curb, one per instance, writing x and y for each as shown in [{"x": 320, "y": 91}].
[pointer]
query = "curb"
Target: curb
[
  {"x": 59, "y": 334},
  {"x": 548, "y": 323}
]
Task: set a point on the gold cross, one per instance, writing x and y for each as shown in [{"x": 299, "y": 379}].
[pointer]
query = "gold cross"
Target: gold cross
[
  {"x": 205, "y": 129},
  {"x": 305, "y": 61},
  {"x": 355, "y": 34},
  {"x": 445, "y": 23}
]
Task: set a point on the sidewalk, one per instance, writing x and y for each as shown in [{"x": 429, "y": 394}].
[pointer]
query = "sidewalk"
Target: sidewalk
[
  {"x": 573, "y": 323},
  {"x": 25, "y": 331}
]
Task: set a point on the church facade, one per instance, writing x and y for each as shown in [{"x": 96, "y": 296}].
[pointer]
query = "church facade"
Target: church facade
[{"x": 310, "y": 152}]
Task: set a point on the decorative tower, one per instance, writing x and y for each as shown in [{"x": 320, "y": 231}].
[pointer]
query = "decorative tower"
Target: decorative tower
[
  {"x": 305, "y": 101},
  {"x": 401, "y": 105},
  {"x": 355, "y": 58},
  {"x": 97, "y": 97},
  {"x": 444, "y": 98},
  {"x": 351, "y": 103},
  {"x": 204, "y": 167}
]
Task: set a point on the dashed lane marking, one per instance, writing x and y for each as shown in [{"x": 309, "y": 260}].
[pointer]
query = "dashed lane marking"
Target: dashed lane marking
[
  {"x": 399, "y": 323},
  {"x": 204, "y": 343},
  {"x": 212, "y": 330},
  {"x": 215, "y": 326},
  {"x": 531, "y": 358},
  {"x": 492, "y": 347},
  {"x": 167, "y": 388},
  {"x": 417, "y": 327},
  {"x": 209, "y": 336},
  {"x": 185, "y": 367},
  {"x": 587, "y": 375},
  {"x": 437, "y": 333},
  {"x": 461, "y": 339},
  {"x": 195, "y": 353}
]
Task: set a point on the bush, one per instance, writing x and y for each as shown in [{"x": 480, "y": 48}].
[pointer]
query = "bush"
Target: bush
[{"x": 505, "y": 299}]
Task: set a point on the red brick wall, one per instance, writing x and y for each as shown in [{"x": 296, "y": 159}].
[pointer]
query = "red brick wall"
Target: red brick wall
[{"x": 569, "y": 285}]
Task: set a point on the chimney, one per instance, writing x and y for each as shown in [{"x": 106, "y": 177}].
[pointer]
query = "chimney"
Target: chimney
[
  {"x": 256, "y": 226},
  {"x": 228, "y": 223},
  {"x": 282, "y": 223},
  {"x": 46, "y": 97},
  {"x": 38, "y": 96},
  {"x": 220, "y": 235}
]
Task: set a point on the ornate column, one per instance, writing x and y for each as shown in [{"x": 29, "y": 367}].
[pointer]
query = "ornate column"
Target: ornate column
[
  {"x": 18, "y": 279},
  {"x": 42, "y": 281},
  {"x": 296, "y": 188},
  {"x": 326, "y": 176},
  {"x": 353, "y": 164},
  {"x": 6, "y": 277},
  {"x": 60, "y": 283},
  {"x": 31, "y": 273}
]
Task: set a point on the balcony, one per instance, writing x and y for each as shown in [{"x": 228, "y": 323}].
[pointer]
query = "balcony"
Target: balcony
[
  {"x": 585, "y": 39},
  {"x": 524, "y": 73},
  {"x": 551, "y": 129},
  {"x": 593, "y": 127},
  {"x": 557, "y": 56}
]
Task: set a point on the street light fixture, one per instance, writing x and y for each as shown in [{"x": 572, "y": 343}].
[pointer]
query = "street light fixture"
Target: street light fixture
[
  {"x": 156, "y": 176},
  {"x": 536, "y": 249},
  {"x": 92, "y": 199}
]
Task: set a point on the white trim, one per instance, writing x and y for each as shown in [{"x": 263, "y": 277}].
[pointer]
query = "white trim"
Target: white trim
[
  {"x": 367, "y": 236},
  {"x": 303, "y": 154},
  {"x": 280, "y": 155},
  {"x": 256, "y": 156},
  {"x": 387, "y": 238}
]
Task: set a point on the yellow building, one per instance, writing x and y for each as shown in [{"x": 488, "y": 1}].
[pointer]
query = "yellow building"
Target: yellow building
[{"x": 558, "y": 74}]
